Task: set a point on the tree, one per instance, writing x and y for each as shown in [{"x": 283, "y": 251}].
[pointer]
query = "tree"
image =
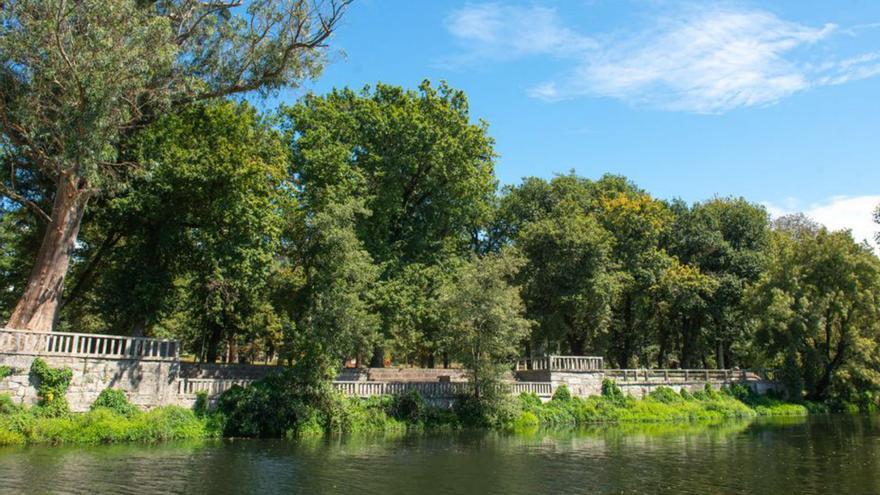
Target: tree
[
  {"x": 486, "y": 318},
  {"x": 412, "y": 158},
  {"x": 77, "y": 77},
  {"x": 194, "y": 238},
  {"x": 335, "y": 317},
  {"x": 637, "y": 222},
  {"x": 726, "y": 239},
  {"x": 568, "y": 283},
  {"x": 817, "y": 310}
]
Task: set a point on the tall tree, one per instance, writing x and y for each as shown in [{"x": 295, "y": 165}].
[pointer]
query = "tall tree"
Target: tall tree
[
  {"x": 76, "y": 77},
  {"x": 486, "y": 319},
  {"x": 415, "y": 161},
  {"x": 818, "y": 313},
  {"x": 202, "y": 226},
  {"x": 725, "y": 238}
]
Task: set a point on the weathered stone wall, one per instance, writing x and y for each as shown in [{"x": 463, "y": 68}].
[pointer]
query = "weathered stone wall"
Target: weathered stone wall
[
  {"x": 580, "y": 384},
  {"x": 151, "y": 383},
  {"x": 146, "y": 383}
]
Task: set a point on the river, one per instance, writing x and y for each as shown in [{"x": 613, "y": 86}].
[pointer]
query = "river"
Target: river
[{"x": 837, "y": 454}]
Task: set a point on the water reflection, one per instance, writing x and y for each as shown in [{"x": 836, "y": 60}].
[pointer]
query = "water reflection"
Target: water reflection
[{"x": 824, "y": 455}]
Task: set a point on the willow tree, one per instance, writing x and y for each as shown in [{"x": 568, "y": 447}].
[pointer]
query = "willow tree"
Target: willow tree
[{"x": 77, "y": 77}]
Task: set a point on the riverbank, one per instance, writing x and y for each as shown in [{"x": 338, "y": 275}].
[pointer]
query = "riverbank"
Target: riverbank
[{"x": 253, "y": 412}]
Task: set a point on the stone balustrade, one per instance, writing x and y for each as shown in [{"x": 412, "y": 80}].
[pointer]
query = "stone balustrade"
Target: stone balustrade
[
  {"x": 561, "y": 363},
  {"x": 684, "y": 375},
  {"x": 151, "y": 373},
  {"x": 88, "y": 345}
]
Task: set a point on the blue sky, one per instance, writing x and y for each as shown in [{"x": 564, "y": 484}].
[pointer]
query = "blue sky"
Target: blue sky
[{"x": 774, "y": 101}]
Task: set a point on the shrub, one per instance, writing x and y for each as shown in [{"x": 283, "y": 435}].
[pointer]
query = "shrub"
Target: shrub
[
  {"x": 561, "y": 394},
  {"x": 612, "y": 392},
  {"x": 116, "y": 401},
  {"x": 6, "y": 404},
  {"x": 200, "y": 408},
  {"x": 526, "y": 421},
  {"x": 52, "y": 388},
  {"x": 665, "y": 395},
  {"x": 5, "y": 371},
  {"x": 409, "y": 407}
]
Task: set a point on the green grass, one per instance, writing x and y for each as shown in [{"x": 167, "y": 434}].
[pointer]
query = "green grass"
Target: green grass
[
  {"x": 662, "y": 405},
  {"x": 102, "y": 425}
]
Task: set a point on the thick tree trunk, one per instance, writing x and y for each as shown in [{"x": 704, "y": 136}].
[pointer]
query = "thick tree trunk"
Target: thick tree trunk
[{"x": 38, "y": 307}]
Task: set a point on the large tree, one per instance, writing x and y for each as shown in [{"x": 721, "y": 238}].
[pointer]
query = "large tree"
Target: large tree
[
  {"x": 485, "y": 318},
  {"x": 817, "y": 309},
  {"x": 76, "y": 77},
  {"x": 195, "y": 237},
  {"x": 413, "y": 159}
]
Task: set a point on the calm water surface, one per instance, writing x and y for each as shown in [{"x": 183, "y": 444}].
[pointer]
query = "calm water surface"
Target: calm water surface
[{"x": 836, "y": 455}]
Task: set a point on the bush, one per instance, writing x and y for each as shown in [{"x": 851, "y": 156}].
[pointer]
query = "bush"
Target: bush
[
  {"x": 52, "y": 388},
  {"x": 116, "y": 401},
  {"x": 409, "y": 407},
  {"x": 5, "y": 371},
  {"x": 665, "y": 395},
  {"x": 561, "y": 394},
  {"x": 6, "y": 404},
  {"x": 200, "y": 408},
  {"x": 612, "y": 392}
]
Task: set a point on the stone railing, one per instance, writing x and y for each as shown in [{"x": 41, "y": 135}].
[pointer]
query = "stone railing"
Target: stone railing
[
  {"x": 211, "y": 386},
  {"x": 685, "y": 375},
  {"x": 561, "y": 363},
  {"x": 88, "y": 345},
  {"x": 216, "y": 386},
  {"x": 425, "y": 389},
  {"x": 541, "y": 389}
]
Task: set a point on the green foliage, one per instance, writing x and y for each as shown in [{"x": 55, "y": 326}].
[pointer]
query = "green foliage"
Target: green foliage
[
  {"x": 409, "y": 407},
  {"x": 52, "y": 385},
  {"x": 77, "y": 78},
  {"x": 116, "y": 401},
  {"x": 485, "y": 321},
  {"x": 561, "y": 393},
  {"x": 5, "y": 371},
  {"x": 6, "y": 404},
  {"x": 611, "y": 391},
  {"x": 665, "y": 395},
  {"x": 200, "y": 407},
  {"x": 817, "y": 313}
]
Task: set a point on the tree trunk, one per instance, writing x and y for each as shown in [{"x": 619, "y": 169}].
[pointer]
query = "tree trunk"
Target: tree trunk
[
  {"x": 38, "y": 307},
  {"x": 378, "y": 359},
  {"x": 214, "y": 343}
]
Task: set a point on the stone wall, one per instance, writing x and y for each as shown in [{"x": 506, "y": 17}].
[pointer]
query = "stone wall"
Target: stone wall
[
  {"x": 146, "y": 383},
  {"x": 157, "y": 377}
]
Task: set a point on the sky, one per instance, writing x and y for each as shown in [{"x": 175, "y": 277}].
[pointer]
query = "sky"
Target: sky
[{"x": 773, "y": 101}]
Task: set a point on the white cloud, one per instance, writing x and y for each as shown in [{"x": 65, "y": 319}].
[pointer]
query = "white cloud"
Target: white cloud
[
  {"x": 837, "y": 213},
  {"x": 498, "y": 31},
  {"x": 703, "y": 60}
]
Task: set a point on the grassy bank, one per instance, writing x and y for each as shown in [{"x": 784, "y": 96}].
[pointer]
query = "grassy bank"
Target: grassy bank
[
  {"x": 662, "y": 405},
  {"x": 102, "y": 425}
]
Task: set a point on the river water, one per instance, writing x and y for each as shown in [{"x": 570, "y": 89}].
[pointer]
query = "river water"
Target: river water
[{"x": 834, "y": 455}]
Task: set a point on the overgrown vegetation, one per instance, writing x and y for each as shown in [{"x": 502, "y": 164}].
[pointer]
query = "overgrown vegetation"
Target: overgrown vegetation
[
  {"x": 111, "y": 419},
  {"x": 52, "y": 385}
]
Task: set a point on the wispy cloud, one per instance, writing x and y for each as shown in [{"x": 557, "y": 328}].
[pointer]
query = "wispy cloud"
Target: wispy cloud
[
  {"x": 698, "y": 59},
  {"x": 854, "y": 213},
  {"x": 502, "y": 32}
]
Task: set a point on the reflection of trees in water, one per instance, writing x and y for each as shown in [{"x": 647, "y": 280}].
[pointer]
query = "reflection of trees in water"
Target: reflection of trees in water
[{"x": 819, "y": 455}]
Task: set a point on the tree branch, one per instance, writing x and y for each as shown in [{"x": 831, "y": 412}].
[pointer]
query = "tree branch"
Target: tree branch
[{"x": 35, "y": 208}]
